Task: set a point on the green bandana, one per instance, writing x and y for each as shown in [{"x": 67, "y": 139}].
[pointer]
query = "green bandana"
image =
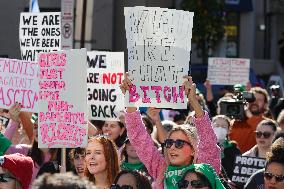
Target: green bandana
[
  {"x": 4, "y": 144},
  {"x": 131, "y": 166},
  {"x": 226, "y": 144},
  {"x": 210, "y": 174},
  {"x": 173, "y": 175}
]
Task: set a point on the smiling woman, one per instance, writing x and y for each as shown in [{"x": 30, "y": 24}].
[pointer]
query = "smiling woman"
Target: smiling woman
[{"x": 101, "y": 161}]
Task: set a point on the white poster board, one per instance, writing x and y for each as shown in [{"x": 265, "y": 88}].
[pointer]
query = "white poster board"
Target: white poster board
[
  {"x": 63, "y": 108},
  {"x": 39, "y": 32},
  {"x": 105, "y": 74},
  {"x": 159, "y": 44},
  {"x": 19, "y": 83},
  {"x": 228, "y": 71}
]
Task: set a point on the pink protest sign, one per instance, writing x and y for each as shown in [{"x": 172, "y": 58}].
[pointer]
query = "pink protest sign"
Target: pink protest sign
[
  {"x": 228, "y": 71},
  {"x": 159, "y": 45},
  {"x": 105, "y": 74},
  {"x": 63, "y": 100},
  {"x": 18, "y": 83}
]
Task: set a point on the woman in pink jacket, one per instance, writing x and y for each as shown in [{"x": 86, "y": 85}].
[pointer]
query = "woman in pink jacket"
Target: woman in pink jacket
[{"x": 182, "y": 147}]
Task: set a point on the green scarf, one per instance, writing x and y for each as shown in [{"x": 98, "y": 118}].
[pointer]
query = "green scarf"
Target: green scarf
[
  {"x": 209, "y": 173},
  {"x": 131, "y": 166},
  {"x": 5, "y": 144},
  {"x": 172, "y": 175},
  {"x": 226, "y": 144}
]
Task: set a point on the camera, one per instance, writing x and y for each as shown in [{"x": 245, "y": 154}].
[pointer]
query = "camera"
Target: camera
[{"x": 234, "y": 108}]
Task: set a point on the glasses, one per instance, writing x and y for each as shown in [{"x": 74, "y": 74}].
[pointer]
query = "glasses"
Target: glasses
[
  {"x": 116, "y": 186},
  {"x": 265, "y": 134},
  {"x": 178, "y": 143},
  {"x": 182, "y": 184},
  {"x": 5, "y": 177},
  {"x": 269, "y": 176}
]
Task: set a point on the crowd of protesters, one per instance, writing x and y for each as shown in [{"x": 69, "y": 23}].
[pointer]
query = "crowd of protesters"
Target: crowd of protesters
[{"x": 192, "y": 148}]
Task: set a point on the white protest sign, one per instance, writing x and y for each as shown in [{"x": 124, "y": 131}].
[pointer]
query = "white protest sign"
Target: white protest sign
[
  {"x": 105, "y": 74},
  {"x": 63, "y": 100},
  {"x": 159, "y": 44},
  {"x": 228, "y": 71},
  {"x": 39, "y": 32},
  {"x": 19, "y": 83}
]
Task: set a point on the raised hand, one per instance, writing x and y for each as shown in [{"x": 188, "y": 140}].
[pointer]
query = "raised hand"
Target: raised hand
[
  {"x": 125, "y": 84},
  {"x": 14, "y": 112},
  {"x": 154, "y": 114}
]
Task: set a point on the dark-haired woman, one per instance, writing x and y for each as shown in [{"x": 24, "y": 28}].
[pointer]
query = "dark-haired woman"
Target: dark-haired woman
[
  {"x": 128, "y": 179},
  {"x": 264, "y": 136}
]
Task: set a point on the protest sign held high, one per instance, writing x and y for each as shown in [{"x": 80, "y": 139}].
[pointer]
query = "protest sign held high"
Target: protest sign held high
[
  {"x": 228, "y": 71},
  {"x": 105, "y": 74},
  {"x": 159, "y": 44},
  {"x": 63, "y": 100},
  {"x": 39, "y": 32},
  {"x": 19, "y": 83},
  {"x": 244, "y": 167}
]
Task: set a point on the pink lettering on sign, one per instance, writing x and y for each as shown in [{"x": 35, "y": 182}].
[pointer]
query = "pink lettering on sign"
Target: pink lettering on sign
[
  {"x": 59, "y": 125},
  {"x": 170, "y": 94}
]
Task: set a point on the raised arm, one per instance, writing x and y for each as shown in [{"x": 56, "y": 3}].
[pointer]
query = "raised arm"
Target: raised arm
[
  {"x": 208, "y": 150},
  {"x": 141, "y": 140},
  {"x": 14, "y": 121}
]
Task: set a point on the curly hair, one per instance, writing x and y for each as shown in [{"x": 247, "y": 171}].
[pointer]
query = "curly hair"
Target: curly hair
[{"x": 277, "y": 153}]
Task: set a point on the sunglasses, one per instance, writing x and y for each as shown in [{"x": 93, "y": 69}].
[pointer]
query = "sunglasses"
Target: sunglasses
[
  {"x": 265, "y": 134},
  {"x": 182, "y": 184},
  {"x": 116, "y": 186},
  {"x": 5, "y": 177},
  {"x": 269, "y": 176},
  {"x": 178, "y": 143}
]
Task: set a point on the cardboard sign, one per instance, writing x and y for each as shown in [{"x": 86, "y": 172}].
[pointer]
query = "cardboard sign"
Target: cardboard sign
[
  {"x": 63, "y": 100},
  {"x": 4, "y": 121},
  {"x": 228, "y": 71},
  {"x": 159, "y": 44},
  {"x": 244, "y": 167},
  {"x": 19, "y": 83},
  {"x": 39, "y": 32},
  {"x": 105, "y": 74}
]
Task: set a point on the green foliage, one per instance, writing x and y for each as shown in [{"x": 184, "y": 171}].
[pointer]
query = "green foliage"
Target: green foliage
[{"x": 208, "y": 22}]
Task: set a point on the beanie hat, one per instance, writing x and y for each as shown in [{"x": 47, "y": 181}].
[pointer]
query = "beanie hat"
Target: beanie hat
[
  {"x": 20, "y": 166},
  {"x": 239, "y": 88},
  {"x": 208, "y": 172},
  {"x": 4, "y": 144}
]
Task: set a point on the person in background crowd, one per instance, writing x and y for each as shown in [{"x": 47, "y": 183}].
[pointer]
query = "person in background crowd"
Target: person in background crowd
[
  {"x": 127, "y": 179},
  {"x": 181, "y": 143},
  {"x": 243, "y": 131},
  {"x": 62, "y": 181},
  {"x": 200, "y": 176},
  {"x": 264, "y": 135},
  {"x": 39, "y": 156},
  {"x": 101, "y": 161},
  {"x": 116, "y": 132},
  {"x": 229, "y": 150},
  {"x": 280, "y": 120},
  {"x": 16, "y": 171},
  {"x": 274, "y": 169},
  {"x": 77, "y": 157},
  {"x": 256, "y": 180}
]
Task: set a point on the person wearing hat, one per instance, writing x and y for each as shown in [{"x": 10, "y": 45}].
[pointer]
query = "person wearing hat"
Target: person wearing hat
[
  {"x": 4, "y": 144},
  {"x": 39, "y": 156},
  {"x": 182, "y": 146},
  {"x": 16, "y": 171},
  {"x": 200, "y": 176}
]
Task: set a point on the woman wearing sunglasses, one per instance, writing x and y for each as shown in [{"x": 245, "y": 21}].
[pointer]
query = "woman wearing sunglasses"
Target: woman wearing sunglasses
[
  {"x": 180, "y": 146},
  {"x": 128, "y": 179},
  {"x": 264, "y": 135},
  {"x": 200, "y": 176},
  {"x": 274, "y": 170},
  {"x": 101, "y": 161}
]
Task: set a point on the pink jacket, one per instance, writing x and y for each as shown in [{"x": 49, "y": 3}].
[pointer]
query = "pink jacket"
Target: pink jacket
[
  {"x": 208, "y": 151},
  {"x": 21, "y": 148}
]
